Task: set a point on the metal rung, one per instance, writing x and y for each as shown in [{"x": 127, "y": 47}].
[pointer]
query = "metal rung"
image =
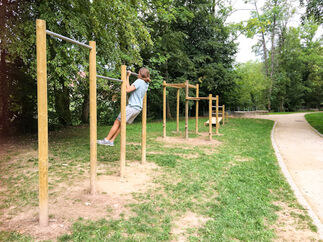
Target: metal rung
[
  {"x": 133, "y": 73},
  {"x": 109, "y": 78},
  {"x": 67, "y": 39}
]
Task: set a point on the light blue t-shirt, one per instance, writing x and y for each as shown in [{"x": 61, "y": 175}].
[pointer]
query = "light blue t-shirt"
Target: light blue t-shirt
[{"x": 137, "y": 96}]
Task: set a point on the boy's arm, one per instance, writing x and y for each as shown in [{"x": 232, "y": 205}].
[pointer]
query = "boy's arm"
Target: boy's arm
[{"x": 128, "y": 87}]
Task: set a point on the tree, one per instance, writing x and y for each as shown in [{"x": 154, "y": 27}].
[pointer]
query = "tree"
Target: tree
[{"x": 274, "y": 16}]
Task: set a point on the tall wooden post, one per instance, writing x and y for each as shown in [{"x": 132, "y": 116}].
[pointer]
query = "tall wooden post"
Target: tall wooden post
[
  {"x": 197, "y": 111},
  {"x": 186, "y": 109},
  {"x": 42, "y": 121},
  {"x": 123, "y": 121},
  {"x": 177, "y": 110},
  {"x": 223, "y": 114},
  {"x": 143, "y": 131},
  {"x": 93, "y": 121},
  {"x": 164, "y": 109},
  {"x": 217, "y": 114},
  {"x": 210, "y": 117}
]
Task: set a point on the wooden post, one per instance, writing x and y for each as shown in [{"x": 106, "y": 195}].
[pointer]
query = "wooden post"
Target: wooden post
[
  {"x": 217, "y": 114},
  {"x": 123, "y": 121},
  {"x": 177, "y": 110},
  {"x": 93, "y": 121},
  {"x": 164, "y": 109},
  {"x": 143, "y": 131},
  {"x": 42, "y": 121},
  {"x": 186, "y": 109},
  {"x": 197, "y": 111},
  {"x": 210, "y": 117},
  {"x": 223, "y": 114}
]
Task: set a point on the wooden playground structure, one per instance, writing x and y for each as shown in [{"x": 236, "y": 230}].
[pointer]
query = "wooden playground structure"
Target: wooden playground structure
[
  {"x": 42, "y": 100},
  {"x": 214, "y": 120}
]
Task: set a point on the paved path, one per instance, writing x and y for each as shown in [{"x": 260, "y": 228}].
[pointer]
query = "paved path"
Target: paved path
[{"x": 302, "y": 151}]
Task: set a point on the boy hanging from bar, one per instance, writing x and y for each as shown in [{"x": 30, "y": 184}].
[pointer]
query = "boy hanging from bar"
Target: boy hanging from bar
[{"x": 138, "y": 90}]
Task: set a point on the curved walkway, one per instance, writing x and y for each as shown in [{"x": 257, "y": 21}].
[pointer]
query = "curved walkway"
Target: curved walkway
[{"x": 301, "y": 149}]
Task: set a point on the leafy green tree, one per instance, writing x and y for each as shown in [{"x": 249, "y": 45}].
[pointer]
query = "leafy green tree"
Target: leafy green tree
[{"x": 251, "y": 85}]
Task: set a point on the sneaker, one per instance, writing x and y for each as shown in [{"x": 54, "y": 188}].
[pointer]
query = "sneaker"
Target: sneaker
[{"x": 105, "y": 142}]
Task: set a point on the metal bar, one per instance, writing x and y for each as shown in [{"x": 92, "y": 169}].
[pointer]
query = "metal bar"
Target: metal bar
[
  {"x": 67, "y": 39},
  {"x": 134, "y": 74},
  {"x": 108, "y": 78}
]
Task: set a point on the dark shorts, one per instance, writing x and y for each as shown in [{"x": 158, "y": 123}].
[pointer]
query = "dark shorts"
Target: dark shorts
[{"x": 131, "y": 114}]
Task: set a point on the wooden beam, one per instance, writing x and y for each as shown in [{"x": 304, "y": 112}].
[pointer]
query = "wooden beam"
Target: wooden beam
[
  {"x": 217, "y": 115},
  {"x": 144, "y": 130},
  {"x": 197, "y": 111},
  {"x": 210, "y": 117},
  {"x": 174, "y": 85},
  {"x": 191, "y": 86},
  {"x": 177, "y": 110},
  {"x": 93, "y": 118},
  {"x": 186, "y": 111},
  {"x": 164, "y": 109},
  {"x": 123, "y": 121},
  {"x": 223, "y": 113},
  {"x": 42, "y": 121},
  {"x": 200, "y": 98}
]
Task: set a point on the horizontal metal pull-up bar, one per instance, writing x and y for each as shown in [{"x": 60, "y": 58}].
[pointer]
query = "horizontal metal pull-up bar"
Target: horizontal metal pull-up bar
[
  {"x": 109, "y": 78},
  {"x": 215, "y": 106},
  {"x": 133, "y": 73},
  {"x": 67, "y": 39}
]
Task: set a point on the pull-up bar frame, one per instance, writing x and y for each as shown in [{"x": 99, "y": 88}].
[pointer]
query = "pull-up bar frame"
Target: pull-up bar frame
[
  {"x": 43, "y": 115},
  {"x": 179, "y": 86},
  {"x": 211, "y": 99}
]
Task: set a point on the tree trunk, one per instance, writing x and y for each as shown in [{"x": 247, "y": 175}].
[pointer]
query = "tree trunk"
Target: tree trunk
[
  {"x": 85, "y": 109},
  {"x": 272, "y": 66},
  {"x": 62, "y": 105},
  {"x": 4, "y": 94},
  {"x": 169, "y": 114}
]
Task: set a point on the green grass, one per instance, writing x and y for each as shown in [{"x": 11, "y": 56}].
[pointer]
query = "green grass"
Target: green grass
[
  {"x": 234, "y": 184},
  {"x": 316, "y": 121}
]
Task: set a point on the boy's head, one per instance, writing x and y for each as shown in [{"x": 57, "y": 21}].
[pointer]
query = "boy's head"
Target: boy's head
[{"x": 144, "y": 74}]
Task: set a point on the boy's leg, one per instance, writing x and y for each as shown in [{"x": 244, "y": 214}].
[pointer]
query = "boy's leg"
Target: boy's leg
[
  {"x": 114, "y": 129},
  {"x": 115, "y": 134}
]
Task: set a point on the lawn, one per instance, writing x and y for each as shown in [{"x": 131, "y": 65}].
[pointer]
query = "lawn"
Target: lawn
[
  {"x": 316, "y": 121},
  {"x": 232, "y": 190}
]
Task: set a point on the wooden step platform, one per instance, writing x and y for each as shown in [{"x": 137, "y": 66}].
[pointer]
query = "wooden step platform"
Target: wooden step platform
[{"x": 213, "y": 121}]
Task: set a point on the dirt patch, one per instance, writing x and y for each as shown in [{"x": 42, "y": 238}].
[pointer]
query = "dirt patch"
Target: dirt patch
[
  {"x": 243, "y": 159},
  {"x": 290, "y": 225},
  {"x": 137, "y": 179},
  {"x": 155, "y": 152},
  {"x": 198, "y": 141},
  {"x": 189, "y": 220},
  {"x": 189, "y": 156},
  {"x": 133, "y": 143},
  {"x": 68, "y": 204}
]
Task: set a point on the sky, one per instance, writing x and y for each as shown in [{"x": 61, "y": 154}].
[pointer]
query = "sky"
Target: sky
[{"x": 243, "y": 13}]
